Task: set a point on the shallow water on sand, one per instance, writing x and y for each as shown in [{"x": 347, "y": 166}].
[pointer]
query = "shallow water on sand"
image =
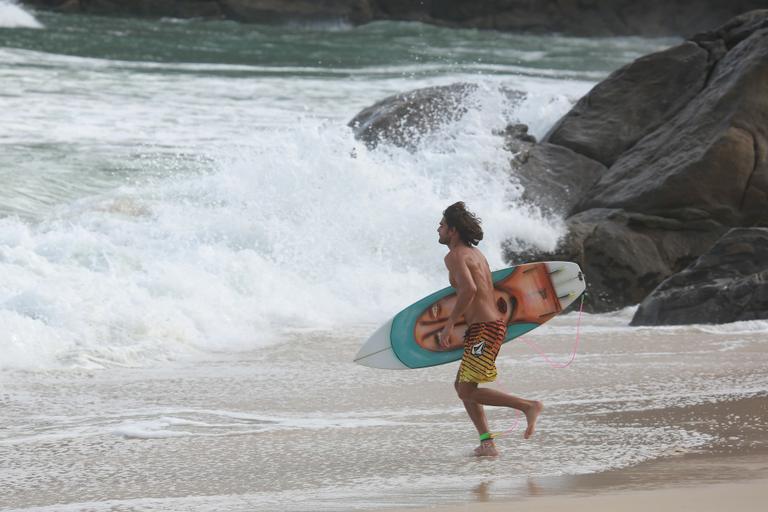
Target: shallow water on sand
[{"x": 310, "y": 430}]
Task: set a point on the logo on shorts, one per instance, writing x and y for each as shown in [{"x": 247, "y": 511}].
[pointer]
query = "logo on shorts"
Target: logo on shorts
[{"x": 477, "y": 349}]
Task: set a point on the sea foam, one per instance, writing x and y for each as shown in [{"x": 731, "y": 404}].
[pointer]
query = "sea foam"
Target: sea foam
[
  {"x": 294, "y": 227},
  {"x": 14, "y": 16}
]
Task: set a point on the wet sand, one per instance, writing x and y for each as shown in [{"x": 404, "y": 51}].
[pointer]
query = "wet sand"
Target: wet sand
[
  {"x": 749, "y": 496},
  {"x": 640, "y": 410},
  {"x": 730, "y": 474}
]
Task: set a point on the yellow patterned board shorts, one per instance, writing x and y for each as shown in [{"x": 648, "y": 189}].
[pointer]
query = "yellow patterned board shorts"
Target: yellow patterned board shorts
[{"x": 482, "y": 342}]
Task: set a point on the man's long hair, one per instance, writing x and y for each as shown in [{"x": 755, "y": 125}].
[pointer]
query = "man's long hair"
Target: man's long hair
[{"x": 465, "y": 222}]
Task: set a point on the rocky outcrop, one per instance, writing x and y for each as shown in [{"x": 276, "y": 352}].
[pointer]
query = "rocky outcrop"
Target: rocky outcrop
[
  {"x": 727, "y": 283},
  {"x": 650, "y": 168},
  {"x": 583, "y": 17},
  {"x": 707, "y": 153},
  {"x": 683, "y": 138}
]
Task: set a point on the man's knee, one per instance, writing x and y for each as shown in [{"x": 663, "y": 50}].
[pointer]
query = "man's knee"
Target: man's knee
[{"x": 465, "y": 390}]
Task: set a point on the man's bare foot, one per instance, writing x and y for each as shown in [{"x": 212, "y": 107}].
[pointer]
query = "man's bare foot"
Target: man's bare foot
[
  {"x": 531, "y": 415},
  {"x": 487, "y": 448}
]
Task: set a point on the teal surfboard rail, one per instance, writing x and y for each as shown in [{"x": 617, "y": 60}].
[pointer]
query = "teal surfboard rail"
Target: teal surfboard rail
[{"x": 412, "y": 355}]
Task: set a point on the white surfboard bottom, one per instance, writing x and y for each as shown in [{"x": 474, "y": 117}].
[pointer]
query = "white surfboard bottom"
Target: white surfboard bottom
[{"x": 377, "y": 352}]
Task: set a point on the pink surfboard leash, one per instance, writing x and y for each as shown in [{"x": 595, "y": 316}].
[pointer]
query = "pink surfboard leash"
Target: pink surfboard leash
[{"x": 551, "y": 363}]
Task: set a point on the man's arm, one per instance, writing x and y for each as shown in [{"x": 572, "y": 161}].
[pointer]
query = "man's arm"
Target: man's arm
[{"x": 465, "y": 292}]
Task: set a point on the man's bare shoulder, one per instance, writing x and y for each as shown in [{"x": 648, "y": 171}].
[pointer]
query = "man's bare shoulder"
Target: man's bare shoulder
[{"x": 457, "y": 256}]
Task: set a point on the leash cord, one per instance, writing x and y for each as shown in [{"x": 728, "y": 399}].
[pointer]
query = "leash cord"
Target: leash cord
[{"x": 552, "y": 364}]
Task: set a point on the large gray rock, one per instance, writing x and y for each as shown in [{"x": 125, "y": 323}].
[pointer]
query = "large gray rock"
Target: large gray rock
[
  {"x": 726, "y": 284},
  {"x": 712, "y": 154},
  {"x": 403, "y": 119},
  {"x": 632, "y": 102},
  {"x": 625, "y": 255},
  {"x": 680, "y": 173}
]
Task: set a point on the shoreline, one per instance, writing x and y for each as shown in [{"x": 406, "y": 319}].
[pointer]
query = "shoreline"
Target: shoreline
[
  {"x": 220, "y": 436},
  {"x": 729, "y": 474}
]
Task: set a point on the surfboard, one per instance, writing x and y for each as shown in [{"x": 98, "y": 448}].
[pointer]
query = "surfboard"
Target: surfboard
[{"x": 526, "y": 296}]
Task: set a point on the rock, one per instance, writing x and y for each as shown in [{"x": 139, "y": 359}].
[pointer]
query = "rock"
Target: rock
[
  {"x": 625, "y": 255},
  {"x": 712, "y": 155},
  {"x": 253, "y": 11},
  {"x": 266, "y": 11},
  {"x": 403, "y": 119},
  {"x": 683, "y": 165},
  {"x": 516, "y": 138},
  {"x": 735, "y": 30},
  {"x": 632, "y": 102},
  {"x": 57, "y": 5},
  {"x": 138, "y": 8},
  {"x": 728, "y": 283},
  {"x": 553, "y": 177},
  {"x": 582, "y": 17}
]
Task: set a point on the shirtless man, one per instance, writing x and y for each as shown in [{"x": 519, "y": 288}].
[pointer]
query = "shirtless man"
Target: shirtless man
[{"x": 470, "y": 275}]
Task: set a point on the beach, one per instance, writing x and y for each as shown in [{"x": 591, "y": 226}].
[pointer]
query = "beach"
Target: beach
[
  {"x": 710, "y": 480},
  {"x": 641, "y": 410},
  {"x": 194, "y": 245}
]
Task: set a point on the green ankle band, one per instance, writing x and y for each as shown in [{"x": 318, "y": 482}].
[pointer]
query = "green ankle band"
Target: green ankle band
[{"x": 486, "y": 436}]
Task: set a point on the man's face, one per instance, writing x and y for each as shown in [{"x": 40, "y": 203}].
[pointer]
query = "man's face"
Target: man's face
[{"x": 444, "y": 232}]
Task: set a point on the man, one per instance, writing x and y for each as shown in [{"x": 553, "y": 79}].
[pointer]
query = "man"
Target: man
[{"x": 470, "y": 275}]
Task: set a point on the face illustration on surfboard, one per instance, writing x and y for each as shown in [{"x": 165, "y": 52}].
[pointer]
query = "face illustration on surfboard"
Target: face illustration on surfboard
[{"x": 524, "y": 297}]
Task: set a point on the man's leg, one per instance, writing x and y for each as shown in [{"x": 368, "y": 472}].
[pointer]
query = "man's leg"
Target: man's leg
[
  {"x": 487, "y": 396},
  {"x": 476, "y": 413}
]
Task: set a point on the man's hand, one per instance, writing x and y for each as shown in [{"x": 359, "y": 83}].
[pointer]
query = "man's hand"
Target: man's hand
[{"x": 445, "y": 336}]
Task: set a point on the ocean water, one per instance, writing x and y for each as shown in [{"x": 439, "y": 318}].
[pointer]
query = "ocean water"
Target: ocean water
[
  {"x": 178, "y": 186},
  {"x": 193, "y": 245}
]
